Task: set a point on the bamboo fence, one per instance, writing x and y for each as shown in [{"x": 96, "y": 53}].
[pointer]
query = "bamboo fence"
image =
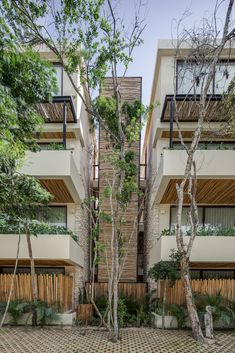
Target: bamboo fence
[
  {"x": 226, "y": 287},
  {"x": 53, "y": 289},
  {"x": 135, "y": 290}
]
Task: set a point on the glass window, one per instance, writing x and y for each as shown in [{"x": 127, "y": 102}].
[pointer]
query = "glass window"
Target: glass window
[
  {"x": 220, "y": 216},
  {"x": 56, "y": 215},
  {"x": 215, "y": 274},
  {"x": 211, "y": 274},
  {"x": 223, "y": 75},
  {"x": 191, "y": 77},
  {"x": 185, "y": 221},
  {"x": 195, "y": 274},
  {"x": 58, "y": 71},
  {"x": 38, "y": 270},
  {"x": 223, "y": 217}
]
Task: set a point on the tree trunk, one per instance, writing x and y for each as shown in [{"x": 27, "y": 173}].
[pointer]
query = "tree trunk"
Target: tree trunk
[
  {"x": 115, "y": 290},
  {"x": 164, "y": 303},
  {"x": 192, "y": 311},
  {"x": 33, "y": 276}
]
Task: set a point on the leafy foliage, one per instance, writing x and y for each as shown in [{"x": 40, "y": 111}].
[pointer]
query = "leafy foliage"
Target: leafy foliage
[
  {"x": 228, "y": 105},
  {"x": 166, "y": 269},
  {"x": 25, "y": 80},
  {"x": 18, "y": 307},
  {"x": 180, "y": 312},
  {"x": 204, "y": 231},
  {"x": 222, "y": 309},
  {"x": 11, "y": 226}
]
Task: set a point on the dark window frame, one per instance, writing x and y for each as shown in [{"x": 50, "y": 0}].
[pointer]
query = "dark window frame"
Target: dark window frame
[
  {"x": 221, "y": 61},
  {"x": 203, "y": 210},
  {"x": 61, "y": 206},
  {"x": 37, "y": 269},
  {"x": 62, "y": 78},
  {"x": 201, "y": 270}
]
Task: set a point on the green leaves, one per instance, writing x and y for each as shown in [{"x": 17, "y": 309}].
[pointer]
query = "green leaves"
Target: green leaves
[
  {"x": 25, "y": 80},
  {"x": 166, "y": 269}
]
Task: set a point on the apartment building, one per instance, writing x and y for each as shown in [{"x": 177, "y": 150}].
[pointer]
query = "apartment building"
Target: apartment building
[
  {"x": 63, "y": 167},
  {"x": 213, "y": 254}
]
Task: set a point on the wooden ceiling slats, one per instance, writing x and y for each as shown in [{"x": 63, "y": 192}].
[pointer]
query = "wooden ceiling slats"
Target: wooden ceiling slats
[
  {"x": 58, "y": 189},
  {"x": 209, "y": 191},
  {"x": 50, "y": 135}
]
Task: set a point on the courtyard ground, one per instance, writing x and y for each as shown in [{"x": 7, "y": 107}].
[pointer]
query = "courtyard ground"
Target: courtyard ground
[{"x": 73, "y": 340}]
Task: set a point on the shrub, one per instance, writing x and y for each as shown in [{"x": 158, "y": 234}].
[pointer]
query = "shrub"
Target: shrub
[
  {"x": 180, "y": 312},
  {"x": 43, "y": 311},
  {"x": 17, "y": 308},
  {"x": 222, "y": 309},
  {"x": 35, "y": 228}
]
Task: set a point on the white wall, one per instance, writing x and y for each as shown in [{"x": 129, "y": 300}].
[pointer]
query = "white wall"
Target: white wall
[{"x": 44, "y": 247}]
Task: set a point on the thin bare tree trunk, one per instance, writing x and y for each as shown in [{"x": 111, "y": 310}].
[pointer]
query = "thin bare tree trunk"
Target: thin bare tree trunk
[
  {"x": 192, "y": 311},
  {"x": 164, "y": 303},
  {"x": 33, "y": 275},
  {"x": 12, "y": 282},
  {"x": 115, "y": 290}
]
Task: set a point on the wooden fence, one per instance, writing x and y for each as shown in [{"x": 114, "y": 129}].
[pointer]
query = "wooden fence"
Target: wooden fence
[
  {"x": 51, "y": 288},
  {"x": 134, "y": 290},
  {"x": 226, "y": 287}
]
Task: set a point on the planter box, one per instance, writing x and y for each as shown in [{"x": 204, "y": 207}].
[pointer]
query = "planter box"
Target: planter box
[
  {"x": 68, "y": 319},
  {"x": 170, "y": 321}
]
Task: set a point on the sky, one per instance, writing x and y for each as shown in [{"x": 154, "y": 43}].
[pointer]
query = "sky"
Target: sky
[{"x": 159, "y": 17}]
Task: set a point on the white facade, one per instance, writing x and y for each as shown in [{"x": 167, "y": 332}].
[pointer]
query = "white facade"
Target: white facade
[
  {"x": 167, "y": 164},
  {"x": 67, "y": 172}
]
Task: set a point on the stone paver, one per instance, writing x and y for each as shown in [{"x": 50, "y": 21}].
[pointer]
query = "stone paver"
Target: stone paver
[{"x": 73, "y": 340}]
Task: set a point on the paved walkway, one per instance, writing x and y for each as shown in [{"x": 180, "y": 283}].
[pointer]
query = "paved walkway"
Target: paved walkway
[{"x": 72, "y": 340}]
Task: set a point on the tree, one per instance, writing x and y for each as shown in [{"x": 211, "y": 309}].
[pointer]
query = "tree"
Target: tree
[
  {"x": 206, "y": 44},
  {"x": 25, "y": 80},
  {"x": 89, "y": 35},
  {"x": 167, "y": 271},
  {"x": 20, "y": 197}
]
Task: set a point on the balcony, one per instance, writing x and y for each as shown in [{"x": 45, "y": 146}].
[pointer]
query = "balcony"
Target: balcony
[
  {"x": 58, "y": 172},
  {"x": 205, "y": 248},
  {"x": 55, "y": 249},
  {"x": 215, "y": 172}
]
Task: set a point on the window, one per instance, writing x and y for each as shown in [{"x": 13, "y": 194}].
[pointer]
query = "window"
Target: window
[
  {"x": 205, "y": 145},
  {"x": 223, "y": 75},
  {"x": 38, "y": 270},
  {"x": 53, "y": 215},
  {"x": 212, "y": 274},
  {"x": 59, "y": 77},
  {"x": 185, "y": 223},
  {"x": 223, "y": 217},
  {"x": 190, "y": 77}
]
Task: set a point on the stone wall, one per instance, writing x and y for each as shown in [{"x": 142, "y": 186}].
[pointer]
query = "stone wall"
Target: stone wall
[
  {"x": 152, "y": 231},
  {"x": 81, "y": 229}
]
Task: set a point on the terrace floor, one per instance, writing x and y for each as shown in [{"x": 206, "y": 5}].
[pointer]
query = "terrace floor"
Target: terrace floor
[{"x": 73, "y": 340}]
